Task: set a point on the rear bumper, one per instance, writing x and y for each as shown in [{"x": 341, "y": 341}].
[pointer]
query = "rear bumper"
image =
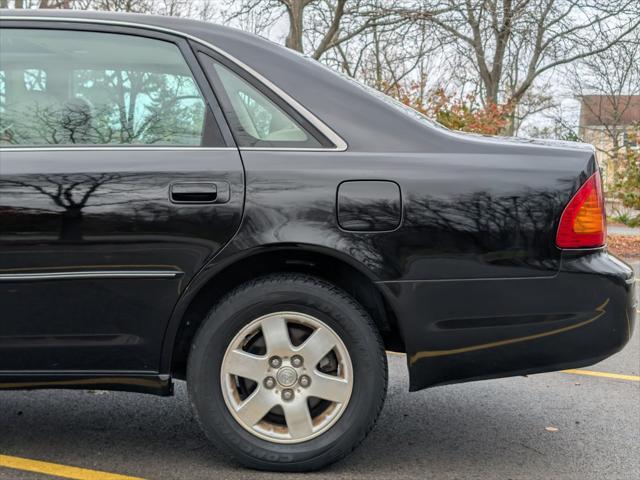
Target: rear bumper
[{"x": 462, "y": 330}]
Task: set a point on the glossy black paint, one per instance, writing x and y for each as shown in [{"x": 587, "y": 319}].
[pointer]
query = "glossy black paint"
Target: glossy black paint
[
  {"x": 464, "y": 216},
  {"x": 507, "y": 327},
  {"x": 458, "y": 243},
  {"x": 355, "y": 198},
  {"x": 103, "y": 210}
]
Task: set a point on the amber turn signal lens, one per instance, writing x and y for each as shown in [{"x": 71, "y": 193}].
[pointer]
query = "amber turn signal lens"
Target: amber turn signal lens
[
  {"x": 589, "y": 217},
  {"x": 583, "y": 222}
]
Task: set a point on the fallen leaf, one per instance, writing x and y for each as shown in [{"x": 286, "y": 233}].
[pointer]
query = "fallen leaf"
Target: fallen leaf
[{"x": 624, "y": 245}]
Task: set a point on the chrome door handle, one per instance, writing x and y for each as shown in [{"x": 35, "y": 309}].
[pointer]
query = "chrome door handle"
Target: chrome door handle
[{"x": 199, "y": 192}]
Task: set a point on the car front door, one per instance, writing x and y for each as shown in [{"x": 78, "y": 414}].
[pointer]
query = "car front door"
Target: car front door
[{"x": 118, "y": 180}]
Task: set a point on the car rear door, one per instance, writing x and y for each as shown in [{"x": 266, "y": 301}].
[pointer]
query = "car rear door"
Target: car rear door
[{"x": 118, "y": 180}]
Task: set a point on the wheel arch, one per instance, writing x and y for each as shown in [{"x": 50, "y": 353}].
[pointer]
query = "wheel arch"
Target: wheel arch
[{"x": 213, "y": 283}]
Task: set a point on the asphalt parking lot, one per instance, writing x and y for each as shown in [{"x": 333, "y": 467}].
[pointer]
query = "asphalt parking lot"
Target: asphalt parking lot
[{"x": 565, "y": 425}]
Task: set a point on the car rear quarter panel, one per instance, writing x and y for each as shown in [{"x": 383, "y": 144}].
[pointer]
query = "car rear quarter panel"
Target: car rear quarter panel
[{"x": 464, "y": 215}]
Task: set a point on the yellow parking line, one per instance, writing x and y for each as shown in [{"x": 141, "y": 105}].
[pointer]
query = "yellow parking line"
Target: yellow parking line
[
  {"x": 56, "y": 470},
  {"x": 615, "y": 376}
]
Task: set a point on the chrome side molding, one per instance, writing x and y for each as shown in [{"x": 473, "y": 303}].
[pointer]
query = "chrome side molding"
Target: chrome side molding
[{"x": 19, "y": 277}]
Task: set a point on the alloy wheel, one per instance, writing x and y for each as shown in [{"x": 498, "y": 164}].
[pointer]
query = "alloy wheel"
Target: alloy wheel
[{"x": 286, "y": 377}]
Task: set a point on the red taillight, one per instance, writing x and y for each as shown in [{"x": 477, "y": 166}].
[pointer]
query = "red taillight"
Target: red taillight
[{"x": 583, "y": 222}]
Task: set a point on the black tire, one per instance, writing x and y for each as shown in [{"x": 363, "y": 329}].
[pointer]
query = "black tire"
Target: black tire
[{"x": 311, "y": 296}]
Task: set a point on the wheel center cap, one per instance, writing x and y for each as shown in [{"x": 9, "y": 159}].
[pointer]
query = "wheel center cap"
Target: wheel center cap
[{"x": 287, "y": 376}]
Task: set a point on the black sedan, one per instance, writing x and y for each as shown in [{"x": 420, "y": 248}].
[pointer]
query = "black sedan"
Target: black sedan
[{"x": 180, "y": 200}]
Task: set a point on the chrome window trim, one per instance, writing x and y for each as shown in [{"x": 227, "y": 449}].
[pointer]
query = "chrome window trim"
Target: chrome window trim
[
  {"x": 13, "y": 277},
  {"x": 340, "y": 144},
  {"x": 126, "y": 148},
  {"x": 287, "y": 149}
]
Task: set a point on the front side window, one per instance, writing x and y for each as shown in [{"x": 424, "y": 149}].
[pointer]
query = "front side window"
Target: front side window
[
  {"x": 64, "y": 87},
  {"x": 256, "y": 120}
]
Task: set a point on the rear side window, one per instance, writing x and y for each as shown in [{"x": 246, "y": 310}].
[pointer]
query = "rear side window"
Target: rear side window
[
  {"x": 64, "y": 87},
  {"x": 256, "y": 119}
]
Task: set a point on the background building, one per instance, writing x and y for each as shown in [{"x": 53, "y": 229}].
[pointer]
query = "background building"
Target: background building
[{"x": 612, "y": 125}]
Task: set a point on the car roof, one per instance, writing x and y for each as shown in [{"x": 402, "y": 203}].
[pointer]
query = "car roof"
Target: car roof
[{"x": 184, "y": 25}]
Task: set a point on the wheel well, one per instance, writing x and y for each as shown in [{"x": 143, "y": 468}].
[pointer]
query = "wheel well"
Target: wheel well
[{"x": 335, "y": 271}]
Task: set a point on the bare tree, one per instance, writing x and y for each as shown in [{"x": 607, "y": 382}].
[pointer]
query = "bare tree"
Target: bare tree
[
  {"x": 134, "y": 6},
  {"x": 55, "y": 3},
  {"x": 294, "y": 9},
  {"x": 512, "y": 43},
  {"x": 607, "y": 84},
  {"x": 387, "y": 56},
  {"x": 330, "y": 22},
  {"x": 37, "y": 4}
]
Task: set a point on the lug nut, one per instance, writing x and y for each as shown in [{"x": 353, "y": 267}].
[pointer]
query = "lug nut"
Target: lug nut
[
  {"x": 275, "y": 362},
  {"x": 297, "y": 361},
  {"x": 305, "y": 381},
  {"x": 287, "y": 394},
  {"x": 269, "y": 382}
]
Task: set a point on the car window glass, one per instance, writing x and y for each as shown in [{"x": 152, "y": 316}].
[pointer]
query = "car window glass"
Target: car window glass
[
  {"x": 74, "y": 87},
  {"x": 256, "y": 120}
]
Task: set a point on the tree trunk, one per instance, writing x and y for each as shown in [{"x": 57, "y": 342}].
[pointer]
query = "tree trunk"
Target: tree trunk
[
  {"x": 295, "y": 9},
  {"x": 509, "y": 129},
  {"x": 491, "y": 87},
  {"x": 19, "y": 4}
]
